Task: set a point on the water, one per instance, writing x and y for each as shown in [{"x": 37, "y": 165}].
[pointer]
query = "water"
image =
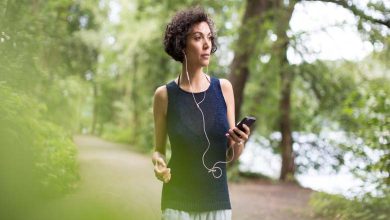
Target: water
[{"x": 258, "y": 157}]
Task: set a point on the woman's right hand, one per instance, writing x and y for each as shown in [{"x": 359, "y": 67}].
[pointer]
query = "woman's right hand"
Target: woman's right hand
[{"x": 161, "y": 171}]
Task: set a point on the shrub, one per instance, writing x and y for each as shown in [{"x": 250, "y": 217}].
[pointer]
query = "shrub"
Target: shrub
[
  {"x": 35, "y": 153},
  {"x": 336, "y": 207}
]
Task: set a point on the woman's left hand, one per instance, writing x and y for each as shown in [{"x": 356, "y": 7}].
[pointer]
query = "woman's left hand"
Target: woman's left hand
[{"x": 238, "y": 136}]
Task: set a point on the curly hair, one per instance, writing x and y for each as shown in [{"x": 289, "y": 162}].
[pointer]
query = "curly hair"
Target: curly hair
[{"x": 177, "y": 30}]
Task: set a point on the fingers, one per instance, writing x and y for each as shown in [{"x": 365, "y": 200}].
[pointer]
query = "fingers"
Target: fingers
[
  {"x": 156, "y": 155},
  {"x": 164, "y": 176},
  {"x": 247, "y": 129},
  {"x": 235, "y": 134},
  {"x": 162, "y": 172},
  {"x": 160, "y": 164},
  {"x": 167, "y": 175},
  {"x": 159, "y": 168},
  {"x": 238, "y": 135}
]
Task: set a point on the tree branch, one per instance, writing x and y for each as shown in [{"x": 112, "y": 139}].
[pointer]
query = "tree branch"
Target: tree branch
[{"x": 356, "y": 11}]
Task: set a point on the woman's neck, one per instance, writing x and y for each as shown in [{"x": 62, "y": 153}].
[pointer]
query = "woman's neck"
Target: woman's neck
[{"x": 197, "y": 77}]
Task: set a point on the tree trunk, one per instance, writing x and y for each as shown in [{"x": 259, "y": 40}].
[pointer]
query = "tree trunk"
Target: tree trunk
[
  {"x": 283, "y": 16},
  {"x": 95, "y": 107},
  {"x": 134, "y": 97},
  {"x": 285, "y": 127},
  {"x": 248, "y": 37}
]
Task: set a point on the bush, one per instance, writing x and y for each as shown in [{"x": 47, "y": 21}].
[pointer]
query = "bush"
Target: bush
[
  {"x": 35, "y": 153},
  {"x": 336, "y": 207}
]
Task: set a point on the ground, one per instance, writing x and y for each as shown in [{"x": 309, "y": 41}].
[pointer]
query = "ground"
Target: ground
[{"x": 124, "y": 179}]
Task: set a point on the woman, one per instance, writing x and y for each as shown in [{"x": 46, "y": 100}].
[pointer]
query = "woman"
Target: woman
[{"x": 196, "y": 111}]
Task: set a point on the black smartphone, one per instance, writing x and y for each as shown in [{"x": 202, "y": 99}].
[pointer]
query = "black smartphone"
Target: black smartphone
[{"x": 247, "y": 120}]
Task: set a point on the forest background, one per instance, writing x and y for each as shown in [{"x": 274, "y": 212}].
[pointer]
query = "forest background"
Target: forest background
[{"x": 91, "y": 67}]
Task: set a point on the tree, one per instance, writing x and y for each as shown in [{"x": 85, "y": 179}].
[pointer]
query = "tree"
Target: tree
[
  {"x": 281, "y": 14},
  {"x": 249, "y": 35}
]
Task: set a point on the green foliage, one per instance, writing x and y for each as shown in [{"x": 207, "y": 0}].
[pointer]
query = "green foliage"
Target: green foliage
[
  {"x": 37, "y": 157},
  {"x": 56, "y": 162},
  {"x": 65, "y": 100},
  {"x": 50, "y": 148},
  {"x": 337, "y": 207},
  {"x": 319, "y": 88},
  {"x": 18, "y": 183},
  {"x": 233, "y": 173},
  {"x": 254, "y": 176},
  {"x": 366, "y": 113},
  {"x": 38, "y": 53},
  {"x": 41, "y": 94},
  {"x": 91, "y": 208},
  {"x": 118, "y": 134}
]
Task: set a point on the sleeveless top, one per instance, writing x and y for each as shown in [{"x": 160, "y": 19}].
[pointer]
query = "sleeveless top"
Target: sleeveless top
[{"x": 192, "y": 187}]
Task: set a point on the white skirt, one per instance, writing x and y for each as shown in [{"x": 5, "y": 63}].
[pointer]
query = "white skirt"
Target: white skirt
[{"x": 172, "y": 214}]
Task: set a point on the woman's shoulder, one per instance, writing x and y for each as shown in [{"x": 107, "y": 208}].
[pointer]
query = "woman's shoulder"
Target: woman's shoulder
[
  {"x": 225, "y": 84},
  {"x": 163, "y": 89},
  {"x": 161, "y": 93}
]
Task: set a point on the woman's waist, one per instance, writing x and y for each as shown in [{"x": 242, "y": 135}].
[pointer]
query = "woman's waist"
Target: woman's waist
[
  {"x": 197, "y": 164},
  {"x": 183, "y": 185}
]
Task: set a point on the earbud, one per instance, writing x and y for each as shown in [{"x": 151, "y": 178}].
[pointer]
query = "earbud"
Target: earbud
[{"x": 185, "y": 58}]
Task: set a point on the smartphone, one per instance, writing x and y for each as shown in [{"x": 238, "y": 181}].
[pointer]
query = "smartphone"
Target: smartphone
[{"x": 247, "y": 120}]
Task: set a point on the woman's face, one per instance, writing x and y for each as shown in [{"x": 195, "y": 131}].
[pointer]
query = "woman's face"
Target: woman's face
[{"x": 198, "y": 48}]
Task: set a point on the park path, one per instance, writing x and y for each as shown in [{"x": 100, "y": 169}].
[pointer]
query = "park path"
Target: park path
[{"x": 112, "y": 173}]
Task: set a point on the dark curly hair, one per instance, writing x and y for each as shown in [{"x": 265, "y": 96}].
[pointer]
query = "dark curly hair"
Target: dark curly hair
[{"x": 177, "y": 30}]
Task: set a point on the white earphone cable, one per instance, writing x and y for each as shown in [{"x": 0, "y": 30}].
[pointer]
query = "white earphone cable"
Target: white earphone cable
[{"x": 214, "y": 168}]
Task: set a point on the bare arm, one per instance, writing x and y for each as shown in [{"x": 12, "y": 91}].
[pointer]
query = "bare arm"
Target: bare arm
[
  {"x": 160, "y": 119},
  {"x": 237, "y": 143},
  {"x": 160, "y": 104}
]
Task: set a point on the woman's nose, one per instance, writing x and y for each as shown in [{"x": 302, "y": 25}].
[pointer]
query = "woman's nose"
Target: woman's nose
[{"x": 206, "y": 44}]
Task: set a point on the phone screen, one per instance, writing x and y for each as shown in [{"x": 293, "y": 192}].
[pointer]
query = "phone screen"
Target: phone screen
[{"x": 248, "y": 121}]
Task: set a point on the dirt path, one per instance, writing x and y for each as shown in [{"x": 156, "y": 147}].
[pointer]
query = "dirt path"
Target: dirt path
[
  {"x": 266, "y": 201},
  {"x": 111, "y": 172}
]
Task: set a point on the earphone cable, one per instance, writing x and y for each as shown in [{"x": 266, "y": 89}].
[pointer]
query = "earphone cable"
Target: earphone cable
[{"x": 214, "y": 168}]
